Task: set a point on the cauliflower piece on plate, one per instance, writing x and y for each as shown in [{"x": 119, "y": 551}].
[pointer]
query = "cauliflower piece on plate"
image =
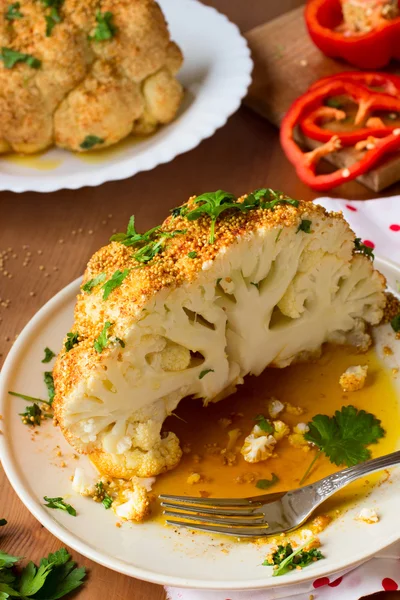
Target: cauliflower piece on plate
[
  {"x": 257, "y": 448},
  {"x": 154, "y": 325},
  {"x": 368, "y": 515},
  {"x": 353, "y": 379}
]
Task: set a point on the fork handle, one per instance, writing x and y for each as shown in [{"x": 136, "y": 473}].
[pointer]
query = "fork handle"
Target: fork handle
[{"x": 331, "y": 484}]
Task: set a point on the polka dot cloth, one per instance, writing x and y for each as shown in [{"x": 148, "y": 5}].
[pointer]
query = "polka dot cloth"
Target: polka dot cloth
[{"x": 377, "y": 223}]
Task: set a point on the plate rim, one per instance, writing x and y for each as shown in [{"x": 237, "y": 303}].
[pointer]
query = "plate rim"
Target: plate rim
[
  {"x": 158, "y": 155},
  {"x": 59, "y": 531}
]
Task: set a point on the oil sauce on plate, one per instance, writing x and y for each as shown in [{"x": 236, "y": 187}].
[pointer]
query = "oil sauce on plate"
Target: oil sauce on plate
[{"x": 34, "y": 161}]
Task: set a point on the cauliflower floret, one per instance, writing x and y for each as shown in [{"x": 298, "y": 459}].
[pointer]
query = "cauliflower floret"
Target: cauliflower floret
[
  {"x": 136, "y": 507},
  {"x": 281, "y": 430},
  {"x": 82, "y": 484},
  {"x": 301, "y": 428},
  {"x": 353, "y": 379},
  {"x": 257, "y": 448},
  {"x": 297, "y": 439},
  {"x": 368, "y": 515},
  {"x": 275, "y": 407},
  {"x": 193, "y": 478}
]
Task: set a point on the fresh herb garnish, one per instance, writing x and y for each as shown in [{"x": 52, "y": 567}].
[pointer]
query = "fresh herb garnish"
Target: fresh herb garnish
[
  {"x": 264, "y": 424},
  {"x": 13, "y": 12},
  {"x": 205, "y": 372},
  {"x": 395, "y": 323},
  {"x": 192, "y": 254},
  {"x": 90, "y": 141},
  {"x": 49, "y": 381},
  {"x": 105, "y": 29},
  {"x": 106, "y": 499},
  {"x": 344, "y": 437},
  {"x": 72, "y": 340},
  {"x": 60, "y": 504},
  {"x": 11, "y": 57},
  {"x": 28, "y": 399},
  {"x": 286, "y": 559},
  {"x": 305, "y": 226},
  {"x": 3, "y": 522},
  {"x": 150, "y": 250},
  {"x": 113, "y": 283},
  {"x": 264, "y": 484},
  {"x": 363, "y": 249},
  {"x": 102, "y": 341},
  {"x": 89, "y": 285},
  {"x": 48, "y": 355},
  {"x": 34, "y": 415},
  {"x": 267, "y": 199},
  {"x": 51, "y": 20},
  {"x": 120, "y": 342}
]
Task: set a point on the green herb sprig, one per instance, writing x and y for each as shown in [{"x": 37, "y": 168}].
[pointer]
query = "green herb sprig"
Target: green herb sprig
[
  {"x": 105, "y": 29},
  {"x": 92, "y": 283},
  {"x": 34, "y": 415},
  {"x": 58, "y": 503},
  {"x": 13, "y": 12},
  {"x": 11, "y": 57},
  {"x": 103, "y": 340},
  {"x": 113, "y": 283},
  {"x": 72, "y": 340},
  {"x": 305, "y": 226},
  {"x": 395, "y": 323},
  {"x": 90, "y": 141},
  {"x": 264, "y": 484},
  {"x": 205, "y": 372},
  {"x": 106, "y": 499},
  {"x": 286, "y": 559},
  {"x": 48, "y": 355},
  {"x": 49, "y": 381},
  {"x": 361, "y": 248},
  {"x": 264, "y": 424}
]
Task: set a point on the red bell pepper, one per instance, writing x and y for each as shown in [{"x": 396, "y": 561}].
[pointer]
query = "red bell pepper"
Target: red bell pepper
[
  {"x": 371, "y": 50},
  {"x": 385, "y": 82}
]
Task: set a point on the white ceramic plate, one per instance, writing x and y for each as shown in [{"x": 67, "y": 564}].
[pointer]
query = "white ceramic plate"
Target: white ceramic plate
[
  {"x": 215, "y": 75},
  {"x": 151, "y": 551}
]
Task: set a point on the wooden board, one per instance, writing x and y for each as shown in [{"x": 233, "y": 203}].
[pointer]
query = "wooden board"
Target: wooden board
[{"x": 286, "y": 63}]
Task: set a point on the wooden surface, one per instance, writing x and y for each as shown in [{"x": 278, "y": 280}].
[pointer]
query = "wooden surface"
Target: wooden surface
[
  {"x": 60, "y": 231},
  {"x": 284, "y": 68}
]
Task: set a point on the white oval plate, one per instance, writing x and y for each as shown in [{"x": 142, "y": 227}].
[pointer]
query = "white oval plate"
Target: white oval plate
[
  {"x": 216, "y": 74},
  {"x": 152, "y": 551}
]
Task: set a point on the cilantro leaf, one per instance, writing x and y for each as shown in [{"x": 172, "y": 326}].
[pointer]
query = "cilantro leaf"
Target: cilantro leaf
[
  {"x": 60, "y": 504},
  {"x": 92, "y": 283},
  {"x": 102, "y": 341},
  {"x": 113, "y": 283},
  {"x": 11, "y": 57},
  {"x": 106, "y": 499},
  {"x": 33, "y": 415},
  {"x": 192, "y": 254},
  {"x": 51, "y": 20},
  {"x": 395, "y": 323},
  {"x": 3, "y": 522},
  {"x": 6, "y": 560},
  {"x": 105, "y": 29},
  {"x": 267, "y": 199},
  {"x": 205, "y": 372},
  {"x": 90, "y": 141},
  {"x": 264, "y": 424},
  {"x": 132, "y": 237},
  {"x": 361, "y": 248},
  {"x": 305, "y": 226},
  {"x": 49, "y": 381},
  {"x": 72, "y": 340},
  {"x": 28, "y": 398},
  {"x": 48, "y": 355},
  {"x": 150, "y": 250},
  {"x": 63, "y": 578},
  {"x": 13, "y": 12},
  {"x": 264, "y": 484},
  {"x": 33, "y": 578},
  {"x": 285, "y": 559}
]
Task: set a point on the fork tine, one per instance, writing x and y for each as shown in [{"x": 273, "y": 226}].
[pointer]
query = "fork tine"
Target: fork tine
[
  {"x": 217, "y": 520},
  {"x": 253, "y": 531},
  {"x": 211, "y": 501},
  {"x": 239, "y": 512}
]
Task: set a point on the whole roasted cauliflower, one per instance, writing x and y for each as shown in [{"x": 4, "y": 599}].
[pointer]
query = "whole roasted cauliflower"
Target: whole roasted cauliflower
[
  {"x": 84, "y": 74},
  {"x": 225, "y": 287}
]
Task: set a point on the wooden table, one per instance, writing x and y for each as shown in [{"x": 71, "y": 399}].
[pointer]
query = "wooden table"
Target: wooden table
[{"x": 49, "y": 238}]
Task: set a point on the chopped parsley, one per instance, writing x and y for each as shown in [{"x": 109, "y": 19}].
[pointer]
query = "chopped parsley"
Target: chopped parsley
[
  {"x": 102, "y": 341},
  {"x": 49, "y": 381},
  {"x": 11, "y": 57},
  {"x": 305, "y": 226},
  {"x": 51, "y": 21},
  {"x": 150, "y": 250},
  {"x": 2, "y": 523},
  {"x": 28, "y": 399},
  {"x": 205, "y": 372},
  {"x": 344, "y": 437},
  {"x": 113, "y": 283},
  {"x": 92, "y": 283},
  {"x": 13, "y": 12},
  {"x": 105, "y": 29},
  {"x": 361, "y": 248},
  {"x": 106, "y": 499},
  {"x": 395, "y": 323},
  {"x": 264, "y": 484},
  {"x": 59, "y": 504},
  {"x": 132, "y": 237},
  {"x": 72, "y": 340},
  {"x": 264, "y": 424},
  {"x": 48, "y": 355},
  {"x": 90, "y": 141},
  {"x": 120, "y": 342},
  {"x": 34, "y": 415},
  {"x": 192, "y": 254},
  {"x": 286, "y": 559}
]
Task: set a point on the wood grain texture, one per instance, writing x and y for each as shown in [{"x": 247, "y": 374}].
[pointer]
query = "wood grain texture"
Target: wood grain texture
[
  {"x": 286, "y": 63},
  {"x": 62, "y": 230}
]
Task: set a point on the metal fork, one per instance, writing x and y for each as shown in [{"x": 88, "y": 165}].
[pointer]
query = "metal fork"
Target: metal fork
[{"x": 265, "y": 515}]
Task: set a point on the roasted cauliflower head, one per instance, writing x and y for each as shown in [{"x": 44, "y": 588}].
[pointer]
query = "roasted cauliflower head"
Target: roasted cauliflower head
[
  {"x": 225, "y": 287},
  {"x": 84, "y": 74}
]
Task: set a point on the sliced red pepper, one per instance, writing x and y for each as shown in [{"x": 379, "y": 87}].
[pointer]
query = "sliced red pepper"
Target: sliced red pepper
[
  {"x": 389, "y": 84},
  {"x": 371, "y": 50}
]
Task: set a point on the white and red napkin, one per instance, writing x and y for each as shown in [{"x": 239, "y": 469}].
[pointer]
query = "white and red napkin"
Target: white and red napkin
[{"x": 377, "y": 223}]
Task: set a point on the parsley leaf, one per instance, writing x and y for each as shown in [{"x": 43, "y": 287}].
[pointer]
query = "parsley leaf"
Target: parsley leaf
[
  {"x": 64, "y": 576},
  {"x": 115, "y": 281},
  {"x": 6, "y": 560},
  {"x": 33, "y": 578},
  {"x": 105, "y": 29},
  {"x": 264, "y": 424},
  {"x": 49, "y": 381},
  {"x": 11, "y": 57},
  {"x": 33, "y": 415},
  {"x": 285, "y": 559},
  {"x": 60, "y": 504},
  {"x": 13, "y": 12},
  {"x": 267, "y": 199},
  {"x": 361, "y": 248},
  {"x": 395, "y": 323},
  {"x": 3, "y": 522},
  {"x": 72, "y": 340},
  {"x": 54, "y": 17},
  {"x": 102, "y": 341},
  {"x": 264, "y": 484},
  {"x": 90, "y": 141},
  {"x": 150, "y": 250},
  {"x": 192, "y": 254},
  {"x": 28, "y": 398},
  {"x": 48, "y": 355},
  {"x": 132, "y": 237},
  {"x": 205, "y": 372},
  {"x": 106, "y": 499},
  {"x": 89, "y": 285},
  {"x": 305, "y": 226}
]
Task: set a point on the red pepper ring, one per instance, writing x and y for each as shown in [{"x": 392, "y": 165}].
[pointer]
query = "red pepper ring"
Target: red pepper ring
[{"x": 371, "y": 79}]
